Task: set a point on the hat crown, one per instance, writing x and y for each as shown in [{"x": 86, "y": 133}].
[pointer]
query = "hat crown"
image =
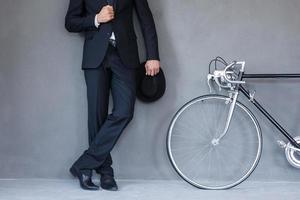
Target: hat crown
[{"x": 150, "y": 88}]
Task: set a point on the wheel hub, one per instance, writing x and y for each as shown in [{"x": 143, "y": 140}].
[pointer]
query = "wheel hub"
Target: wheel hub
[{"x": 215, "y": 142}]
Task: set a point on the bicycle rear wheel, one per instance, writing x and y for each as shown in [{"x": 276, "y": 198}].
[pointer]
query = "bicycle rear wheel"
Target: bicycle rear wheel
[{"x": 201, "y": 163}]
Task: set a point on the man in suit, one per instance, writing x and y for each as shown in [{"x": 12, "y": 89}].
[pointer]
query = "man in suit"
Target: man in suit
[{"x": 110, "y": 59}]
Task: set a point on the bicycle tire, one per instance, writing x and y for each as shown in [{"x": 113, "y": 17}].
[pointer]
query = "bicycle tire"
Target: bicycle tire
[{"x": 258, "y": 136}]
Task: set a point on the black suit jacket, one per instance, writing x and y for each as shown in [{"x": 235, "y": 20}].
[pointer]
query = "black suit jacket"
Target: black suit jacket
[{"x": 80, "y": 18}]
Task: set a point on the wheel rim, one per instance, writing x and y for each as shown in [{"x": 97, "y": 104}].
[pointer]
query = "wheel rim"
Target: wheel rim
[{"x": 212, "y": 153}]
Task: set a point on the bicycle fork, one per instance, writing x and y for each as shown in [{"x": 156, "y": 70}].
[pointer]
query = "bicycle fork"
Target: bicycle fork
[{"x": 233, "y": 95}]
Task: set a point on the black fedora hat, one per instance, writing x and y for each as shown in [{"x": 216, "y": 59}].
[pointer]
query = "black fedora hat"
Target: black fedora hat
[{"x": 149, "y": 88}]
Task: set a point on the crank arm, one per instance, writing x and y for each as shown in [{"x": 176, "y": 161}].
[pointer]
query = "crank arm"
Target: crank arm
[{"x": 283, "y": 145}]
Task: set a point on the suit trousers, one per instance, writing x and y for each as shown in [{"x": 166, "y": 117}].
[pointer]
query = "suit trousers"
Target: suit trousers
[{"x": 105, "y": 129}]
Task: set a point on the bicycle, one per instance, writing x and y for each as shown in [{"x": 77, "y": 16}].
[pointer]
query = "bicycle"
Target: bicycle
[{"x": 214, "y": 141}]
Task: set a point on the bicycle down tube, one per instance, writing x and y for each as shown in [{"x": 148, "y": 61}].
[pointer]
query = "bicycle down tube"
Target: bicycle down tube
[{"x": 261, "y": 108}]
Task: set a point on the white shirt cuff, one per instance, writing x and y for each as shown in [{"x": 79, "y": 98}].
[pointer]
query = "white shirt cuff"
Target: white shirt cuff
[{"x": 96, "y": 22}]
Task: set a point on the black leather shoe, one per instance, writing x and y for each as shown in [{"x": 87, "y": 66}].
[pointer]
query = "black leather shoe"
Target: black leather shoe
[
  {"x": 108, "y": 183},
  {"x": 85, "y": 181}
]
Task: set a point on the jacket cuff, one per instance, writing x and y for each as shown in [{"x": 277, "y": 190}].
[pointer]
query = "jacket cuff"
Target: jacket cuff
[
  {"x": 153, "y": 56},
  {"x": 89, "y": 22}
]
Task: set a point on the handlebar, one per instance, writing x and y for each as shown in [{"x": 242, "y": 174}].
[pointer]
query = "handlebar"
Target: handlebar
[{"x": 221, "y": 76}]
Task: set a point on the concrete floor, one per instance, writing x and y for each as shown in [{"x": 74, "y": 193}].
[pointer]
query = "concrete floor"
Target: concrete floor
[{"x": 48, "y": 189}]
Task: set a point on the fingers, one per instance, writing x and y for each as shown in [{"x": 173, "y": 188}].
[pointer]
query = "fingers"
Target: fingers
[
  {"x": 151, "y": 71},
  {"x": 156, "y": 71},
  {"x": 147, "y": 69},
  {"x": 107, "y": 18},
  {"x": 107, "y": 13},
  {"x": 110, "y": 11},
  {"x": 110, "y": 16},
  {"x": 109, "y": 8}
]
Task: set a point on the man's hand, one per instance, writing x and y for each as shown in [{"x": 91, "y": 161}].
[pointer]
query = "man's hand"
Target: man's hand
[
  {"x": 152, "y": 67},
  {"x": 106, "y": 14}
]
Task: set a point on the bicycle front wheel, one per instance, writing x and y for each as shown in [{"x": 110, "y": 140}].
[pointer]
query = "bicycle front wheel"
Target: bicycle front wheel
[{"x": 194, "y": 155}]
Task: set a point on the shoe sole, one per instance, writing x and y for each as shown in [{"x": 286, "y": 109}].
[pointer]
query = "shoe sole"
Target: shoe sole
[{"x": 110, "y": 189}]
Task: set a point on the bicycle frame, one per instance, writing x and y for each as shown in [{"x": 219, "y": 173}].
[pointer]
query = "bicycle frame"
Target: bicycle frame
[{"x": 261, "y": 108}]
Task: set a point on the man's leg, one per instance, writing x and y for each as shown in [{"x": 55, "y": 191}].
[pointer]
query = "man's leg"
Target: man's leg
[
  {"x": 123, "y": 93},
  {"x": 106, "y": 167},
  {"x": 98, "y": 87}
]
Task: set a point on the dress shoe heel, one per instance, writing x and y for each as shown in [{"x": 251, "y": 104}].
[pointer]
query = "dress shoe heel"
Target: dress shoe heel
[{"x": 73, "y": 172}]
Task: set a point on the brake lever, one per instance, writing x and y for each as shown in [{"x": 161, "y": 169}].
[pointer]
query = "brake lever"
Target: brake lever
[
  {"x": 218, "y": 83},
  {"x": 209, "y": 78}
]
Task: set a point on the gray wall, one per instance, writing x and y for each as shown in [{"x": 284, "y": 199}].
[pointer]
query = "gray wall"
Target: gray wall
[{"x": 43, "y": 113}]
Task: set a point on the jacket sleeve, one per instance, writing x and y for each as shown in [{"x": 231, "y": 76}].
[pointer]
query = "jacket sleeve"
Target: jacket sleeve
[
  {"x": 148, "y": 28},
  {"x": 76, "y": 20}
]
